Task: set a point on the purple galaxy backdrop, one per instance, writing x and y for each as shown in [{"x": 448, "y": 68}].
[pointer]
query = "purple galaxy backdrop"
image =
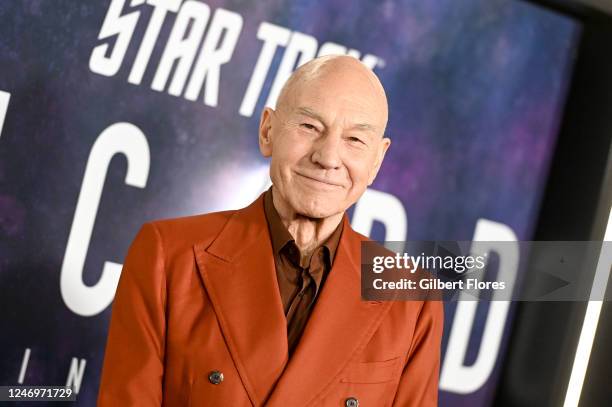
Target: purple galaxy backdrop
[{"x": 475, "y": 88}]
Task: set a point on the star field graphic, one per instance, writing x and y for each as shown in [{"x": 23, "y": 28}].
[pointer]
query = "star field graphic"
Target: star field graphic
[{"x": 476, "y": 90}]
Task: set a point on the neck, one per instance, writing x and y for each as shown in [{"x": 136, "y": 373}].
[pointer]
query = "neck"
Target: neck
[{"x": 308, "y": 233}]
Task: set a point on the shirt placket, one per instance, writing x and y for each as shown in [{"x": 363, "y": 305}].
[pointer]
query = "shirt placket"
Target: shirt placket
[{"x": 306, "y": 281}]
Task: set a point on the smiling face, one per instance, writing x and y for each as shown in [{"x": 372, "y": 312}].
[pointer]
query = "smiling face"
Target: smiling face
[{"x": 326, "y": 137}]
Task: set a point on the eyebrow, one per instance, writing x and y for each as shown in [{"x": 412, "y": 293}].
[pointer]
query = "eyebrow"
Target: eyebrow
[
  {"x": 311, "y": 113},
  {"x": 364, "y": 126}
]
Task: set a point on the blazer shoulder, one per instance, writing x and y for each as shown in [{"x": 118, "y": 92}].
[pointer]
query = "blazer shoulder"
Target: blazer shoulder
[
  {"x": 187, "y": 230},
  {"x": 357, "y": 239},
  {"x": 354, "y": 236}
]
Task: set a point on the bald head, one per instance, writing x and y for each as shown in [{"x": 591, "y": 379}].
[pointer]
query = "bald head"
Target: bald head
[{"x": 341, "y": 71}]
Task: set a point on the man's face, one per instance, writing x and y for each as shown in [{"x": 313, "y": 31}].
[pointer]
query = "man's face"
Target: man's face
[{"x": 326, "y": 143}]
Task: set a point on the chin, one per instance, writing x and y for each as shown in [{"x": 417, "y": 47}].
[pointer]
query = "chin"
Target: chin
[{"x": 317, "y": 207}]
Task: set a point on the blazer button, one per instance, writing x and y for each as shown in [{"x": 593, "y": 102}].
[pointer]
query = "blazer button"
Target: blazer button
[
  {"x": 215, "y": 377},
  {"x": 351, "y": 402}
]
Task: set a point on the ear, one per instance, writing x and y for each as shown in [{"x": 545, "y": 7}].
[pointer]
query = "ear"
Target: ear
[
  {"x": 265, "y": 133},
  {"x": 380, "y": 155}
]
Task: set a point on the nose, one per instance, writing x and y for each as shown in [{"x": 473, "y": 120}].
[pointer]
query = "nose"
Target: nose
[{"x": 327, "y": 151}]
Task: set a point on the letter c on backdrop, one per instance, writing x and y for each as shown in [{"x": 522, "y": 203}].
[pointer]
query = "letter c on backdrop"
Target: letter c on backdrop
[{"x": 118, "y": 138}]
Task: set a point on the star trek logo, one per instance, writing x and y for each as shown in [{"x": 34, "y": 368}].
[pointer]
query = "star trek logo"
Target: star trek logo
[{"x": 201, "y": 42}]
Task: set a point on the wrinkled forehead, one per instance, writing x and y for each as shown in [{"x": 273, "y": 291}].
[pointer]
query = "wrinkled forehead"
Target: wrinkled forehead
[{"x": 346, "y": 93}]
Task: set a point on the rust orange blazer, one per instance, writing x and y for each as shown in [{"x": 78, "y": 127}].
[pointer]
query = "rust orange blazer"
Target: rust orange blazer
[{"x": 199, "y": 294}]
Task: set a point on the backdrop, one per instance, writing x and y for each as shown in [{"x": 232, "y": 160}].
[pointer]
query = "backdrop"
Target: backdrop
[{"x": 114, "y": 113}]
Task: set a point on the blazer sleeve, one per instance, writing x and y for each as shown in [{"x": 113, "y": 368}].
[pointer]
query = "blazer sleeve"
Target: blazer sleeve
[
  {"x": 133, "y": 365},
  {"x": 418, "y": 385}
]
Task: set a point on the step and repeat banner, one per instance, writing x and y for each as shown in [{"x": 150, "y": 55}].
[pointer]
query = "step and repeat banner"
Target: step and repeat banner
[{"x": 116, "y": 112}]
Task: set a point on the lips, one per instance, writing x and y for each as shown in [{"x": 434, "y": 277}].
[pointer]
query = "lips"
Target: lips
[{"x": 319, "y": 180}]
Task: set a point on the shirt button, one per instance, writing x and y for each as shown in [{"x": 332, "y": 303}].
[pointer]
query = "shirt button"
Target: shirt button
[
  {"x": 215, "y": 377},
  {"x": 351, "y": 402}
]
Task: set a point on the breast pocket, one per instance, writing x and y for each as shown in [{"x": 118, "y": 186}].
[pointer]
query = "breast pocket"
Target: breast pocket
[
  {"x": 365, "y": 384},
  {"x": 371, "y": 372}
]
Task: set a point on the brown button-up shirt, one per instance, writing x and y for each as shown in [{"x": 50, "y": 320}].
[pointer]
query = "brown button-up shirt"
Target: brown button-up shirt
[{"x": 299, "y": 280}]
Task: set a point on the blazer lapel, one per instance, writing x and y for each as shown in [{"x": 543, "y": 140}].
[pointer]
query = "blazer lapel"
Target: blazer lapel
[
  {"x": 239, "y": 275},
  {"x": 339, "y": 326}
]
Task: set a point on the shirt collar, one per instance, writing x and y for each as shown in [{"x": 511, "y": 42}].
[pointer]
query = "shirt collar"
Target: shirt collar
[{"x": 280, "y": 236}]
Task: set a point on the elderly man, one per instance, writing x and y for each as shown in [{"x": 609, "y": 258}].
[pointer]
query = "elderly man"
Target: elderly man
[{"x": 262, "y": 305}]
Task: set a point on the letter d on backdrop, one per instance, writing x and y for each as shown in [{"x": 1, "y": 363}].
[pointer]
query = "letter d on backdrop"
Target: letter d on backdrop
[{"x": 456, "y": 376}]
